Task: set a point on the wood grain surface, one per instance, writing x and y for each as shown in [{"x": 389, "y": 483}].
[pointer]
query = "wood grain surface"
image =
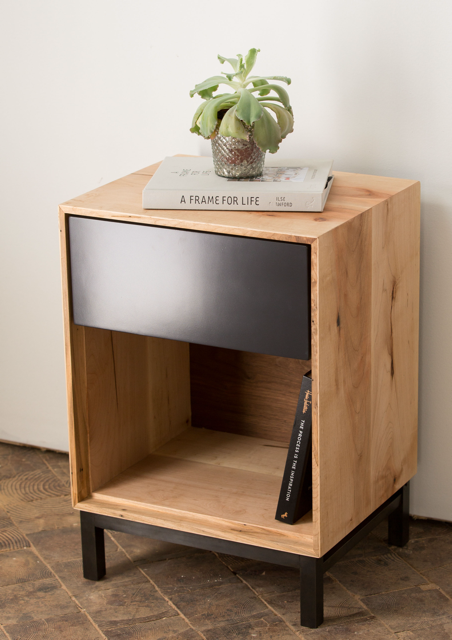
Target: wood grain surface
[
  {"x": 227, "y": 450},
  {"x": 76, "y": 383},
  {"x": 344, "y": 377},
  {"x": 365, "y": 431},
  {"x": 351, "y": 195},
  {"x": 395, "y": 345},
  {"x": 246, "y": 393},
  {"x": 226, "y": 502},
  {"x": 138, "y": 398}
]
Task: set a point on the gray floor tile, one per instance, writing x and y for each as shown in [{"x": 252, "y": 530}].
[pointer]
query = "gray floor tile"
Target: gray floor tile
[
  {"x": 379, "y": 574},
  {"x": 12, "y": 538},
  {"x": 44, "y": 515},
  {"x": 409, "y": 609},
  {"x": 124, "y": 604},
  {"x": 364, "y": 629},
  {"x": 22, "y": 566},
  {"x": 174, "y": 628},
  {"x": 119, "y": 569},
  {"x": 427, "y": 553},
  {"x": 17, "y": 460},
  {"x": 267, "y": 578},
  {"x": 225, "y": 604},
  {"x": 30, "y": 486},
  {"x": 442, "y": 576},
  {"x": 189, "y": 573},
  {"x": 33, "y": 601},
  {"x": 70, "y": 627},
  {"x": 437, "y": 631},
  {"x": 267, "y": 627}
]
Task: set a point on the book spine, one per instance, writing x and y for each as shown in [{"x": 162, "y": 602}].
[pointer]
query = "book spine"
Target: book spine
[
  {"x": 227, "y": 201},
  {"x": 295, "y": 497}
]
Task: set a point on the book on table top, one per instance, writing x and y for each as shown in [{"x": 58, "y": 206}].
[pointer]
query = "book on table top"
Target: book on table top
[
  {"x": 286, "y": 185},
  {"x": 295, "y": 498}
]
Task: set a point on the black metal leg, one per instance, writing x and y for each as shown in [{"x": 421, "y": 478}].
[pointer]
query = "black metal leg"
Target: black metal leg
[
  {"x": 311, "y": 594},
  {"x": 399, "y": 520},
  {"x": 93, "y": 547}
]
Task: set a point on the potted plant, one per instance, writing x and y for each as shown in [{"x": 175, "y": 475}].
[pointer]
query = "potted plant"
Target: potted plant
[{"x": 245, "y": 123}]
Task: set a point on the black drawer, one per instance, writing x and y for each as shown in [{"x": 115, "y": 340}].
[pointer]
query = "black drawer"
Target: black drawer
[{"x": 226, "y": 291}]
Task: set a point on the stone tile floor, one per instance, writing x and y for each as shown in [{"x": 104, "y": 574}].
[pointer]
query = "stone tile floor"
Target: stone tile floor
[{"x": 160, "y": 591}]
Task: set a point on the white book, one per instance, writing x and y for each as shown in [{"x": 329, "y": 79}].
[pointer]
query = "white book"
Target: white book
[{"x": 191, "y": 183}]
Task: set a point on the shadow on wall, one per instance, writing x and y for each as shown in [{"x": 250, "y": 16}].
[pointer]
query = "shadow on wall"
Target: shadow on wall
[{"x": 431, "y": 485}]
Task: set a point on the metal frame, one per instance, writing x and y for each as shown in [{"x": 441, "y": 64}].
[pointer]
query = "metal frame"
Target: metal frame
[{"x": 395, "y": 508}]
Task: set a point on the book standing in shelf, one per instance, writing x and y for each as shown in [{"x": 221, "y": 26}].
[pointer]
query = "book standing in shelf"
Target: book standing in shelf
[
  {"x": 286, "y": 185},
  {"x": 295, "y": 498}
]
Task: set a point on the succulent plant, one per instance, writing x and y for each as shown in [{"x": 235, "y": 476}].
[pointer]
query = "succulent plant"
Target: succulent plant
[{"x": 247, "y": 111}]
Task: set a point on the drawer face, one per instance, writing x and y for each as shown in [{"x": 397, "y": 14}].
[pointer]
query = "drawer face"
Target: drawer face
[{"x": 226, "y": 291}]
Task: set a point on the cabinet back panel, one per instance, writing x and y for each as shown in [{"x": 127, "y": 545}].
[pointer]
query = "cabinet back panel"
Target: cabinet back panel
[{"x": 250, "y": 394}]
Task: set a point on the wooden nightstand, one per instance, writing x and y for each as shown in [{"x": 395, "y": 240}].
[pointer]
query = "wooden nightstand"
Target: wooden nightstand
[{"x": 183, "y": 376}]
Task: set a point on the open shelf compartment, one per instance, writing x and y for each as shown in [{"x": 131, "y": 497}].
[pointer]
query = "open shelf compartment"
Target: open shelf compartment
[{"x": 148, "y": 463}]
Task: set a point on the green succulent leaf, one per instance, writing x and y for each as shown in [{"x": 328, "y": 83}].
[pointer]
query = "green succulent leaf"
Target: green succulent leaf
[
  {"x": 284, "y": 117},
  {"x": 209, "y": 117},
  {"x": 261, "y": 83},
  {"x": 210, "y": 85},
  {"x": 194, "y": 125},
  {"x": 282, "y": 93},
  {"x": 250, "y": 60},
  {"x": 232, "y": 126},
  {"x": 267, "y": 133},
  {"x": 273, "y": 99},
  {"x": 279, "y": 78},
  {"x": 235, "y": 64},
  {"x": 229, "y": 76},
  {"x": 248, "y": 108}
]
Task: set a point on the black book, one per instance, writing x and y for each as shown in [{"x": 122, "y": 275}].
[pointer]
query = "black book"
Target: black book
[{"x": 295, "y": 497}]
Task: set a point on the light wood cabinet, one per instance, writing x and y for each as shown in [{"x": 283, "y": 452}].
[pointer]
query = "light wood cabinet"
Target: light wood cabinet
[{"x": 191, "y": 439}]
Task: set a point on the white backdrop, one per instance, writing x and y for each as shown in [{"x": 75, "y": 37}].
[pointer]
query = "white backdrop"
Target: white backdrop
[{"x": 93, "y": 90}]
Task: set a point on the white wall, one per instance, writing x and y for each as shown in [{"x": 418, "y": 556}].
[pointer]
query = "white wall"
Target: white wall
[{"x": 92, "y": 90}]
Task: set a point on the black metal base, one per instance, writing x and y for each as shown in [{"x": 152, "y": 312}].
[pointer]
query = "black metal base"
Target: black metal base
[{"x": 311, "y": 569}]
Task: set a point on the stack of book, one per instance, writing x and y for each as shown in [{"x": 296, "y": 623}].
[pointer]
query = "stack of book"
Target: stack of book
[{"x": 191, "y": 183}]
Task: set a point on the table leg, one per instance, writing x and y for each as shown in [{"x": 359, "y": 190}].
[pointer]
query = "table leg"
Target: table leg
[
  {"x": 93, "y": 547},
  {"x": 311, "y": 592},
  {"x": 399, "y": 520}
]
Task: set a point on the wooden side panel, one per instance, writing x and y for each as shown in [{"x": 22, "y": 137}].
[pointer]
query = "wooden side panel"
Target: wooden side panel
[
  {"x": 315, "y": 398},
  {"x": 344, "y": 379},
  {"x": 367, "y": 346},
  {"x": 138, "y": 398},
  {"x": 395, "y": 331},
  {"x": 250, "y": 394},
  {"x": 74, "y": 344},
  {"x": 78, "y": 418}
]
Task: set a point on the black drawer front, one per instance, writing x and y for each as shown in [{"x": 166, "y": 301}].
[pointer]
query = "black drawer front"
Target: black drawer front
[{"x": 226, "y": 291}]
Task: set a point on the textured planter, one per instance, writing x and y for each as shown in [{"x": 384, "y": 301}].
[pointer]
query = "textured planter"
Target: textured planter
[{"x": 237, "y": 158}]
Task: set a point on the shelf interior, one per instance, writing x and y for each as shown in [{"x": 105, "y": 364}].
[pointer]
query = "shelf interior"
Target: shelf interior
[{"x": 227, "y": 481}]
